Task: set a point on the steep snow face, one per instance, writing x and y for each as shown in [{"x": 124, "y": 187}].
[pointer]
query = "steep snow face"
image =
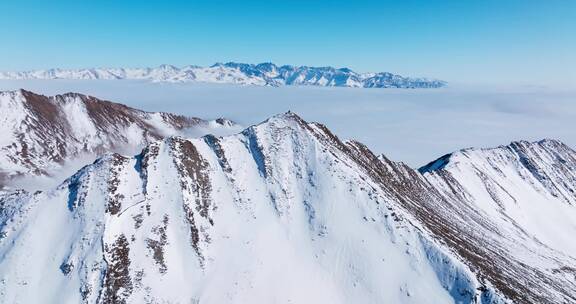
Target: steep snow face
[
  {"x": 282, "y": 212},
  {"x": 40, "y": 133},
  {"x": 264, "y": 74},
  {"x": 523, "y": 198}
]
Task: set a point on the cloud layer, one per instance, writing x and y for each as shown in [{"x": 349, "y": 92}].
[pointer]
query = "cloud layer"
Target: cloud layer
[{"x": 414, "y": 126}]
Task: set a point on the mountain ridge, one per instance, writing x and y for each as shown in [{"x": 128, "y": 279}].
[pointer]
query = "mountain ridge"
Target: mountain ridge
[
  {"x": 526, "y": 192},
  {"x": 42, "y": 132}
]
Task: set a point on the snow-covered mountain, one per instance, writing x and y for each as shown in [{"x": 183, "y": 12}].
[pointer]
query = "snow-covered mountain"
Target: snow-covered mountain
[
  {"x": 40, "y": 133},
  {"x": 518, "y": 205},
  {"x": 284, "y": 211},
  {"x": 264, "y": 74}
]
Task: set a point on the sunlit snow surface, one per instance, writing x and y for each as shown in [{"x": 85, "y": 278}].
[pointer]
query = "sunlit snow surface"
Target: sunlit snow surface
[{"x": 414, "y": 126}]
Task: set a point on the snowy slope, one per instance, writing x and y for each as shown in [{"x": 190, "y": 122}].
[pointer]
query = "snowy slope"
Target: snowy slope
[
  {"x": 264, "y": 74},
  {"x": 40, "y": 133},
  {"x": 520, "y": 201},
  {"x": 283, "y": 212}
]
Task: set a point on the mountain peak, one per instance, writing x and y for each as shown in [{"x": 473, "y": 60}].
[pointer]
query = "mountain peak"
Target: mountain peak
[
  {"x": 285, "y": 119},
  {"x": 167, "y": 67},
  {"x": 289, "y": 115},
  {"x": 520, "y": 148}
]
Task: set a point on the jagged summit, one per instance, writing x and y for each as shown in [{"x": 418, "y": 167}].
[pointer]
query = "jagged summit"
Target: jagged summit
[
  {"x": 286, "y": 120},
  {"x": 286, "y": 116},
  {"x": 265, "y": 74}
]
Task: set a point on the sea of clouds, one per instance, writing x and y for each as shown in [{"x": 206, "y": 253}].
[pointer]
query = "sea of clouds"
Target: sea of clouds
[{"x": 410, "y": 125}]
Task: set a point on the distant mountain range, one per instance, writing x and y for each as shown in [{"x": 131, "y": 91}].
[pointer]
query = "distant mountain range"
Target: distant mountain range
[{"x": 263, "y": 74}]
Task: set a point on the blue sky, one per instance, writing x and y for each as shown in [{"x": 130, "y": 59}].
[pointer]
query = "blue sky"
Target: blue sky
[{"x": 482, "y": 41}]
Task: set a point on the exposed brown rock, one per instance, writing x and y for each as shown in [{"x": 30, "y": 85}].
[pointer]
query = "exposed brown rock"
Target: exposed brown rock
[
  {"x": 194, "y": 179},
  {"x": 157, "y": 246},
  {"x": 214, "y": 143},
  {"x": 191, "y": 164},
  {"x": 117, "y": 281},
  {"x": 114, "y": 197}
]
